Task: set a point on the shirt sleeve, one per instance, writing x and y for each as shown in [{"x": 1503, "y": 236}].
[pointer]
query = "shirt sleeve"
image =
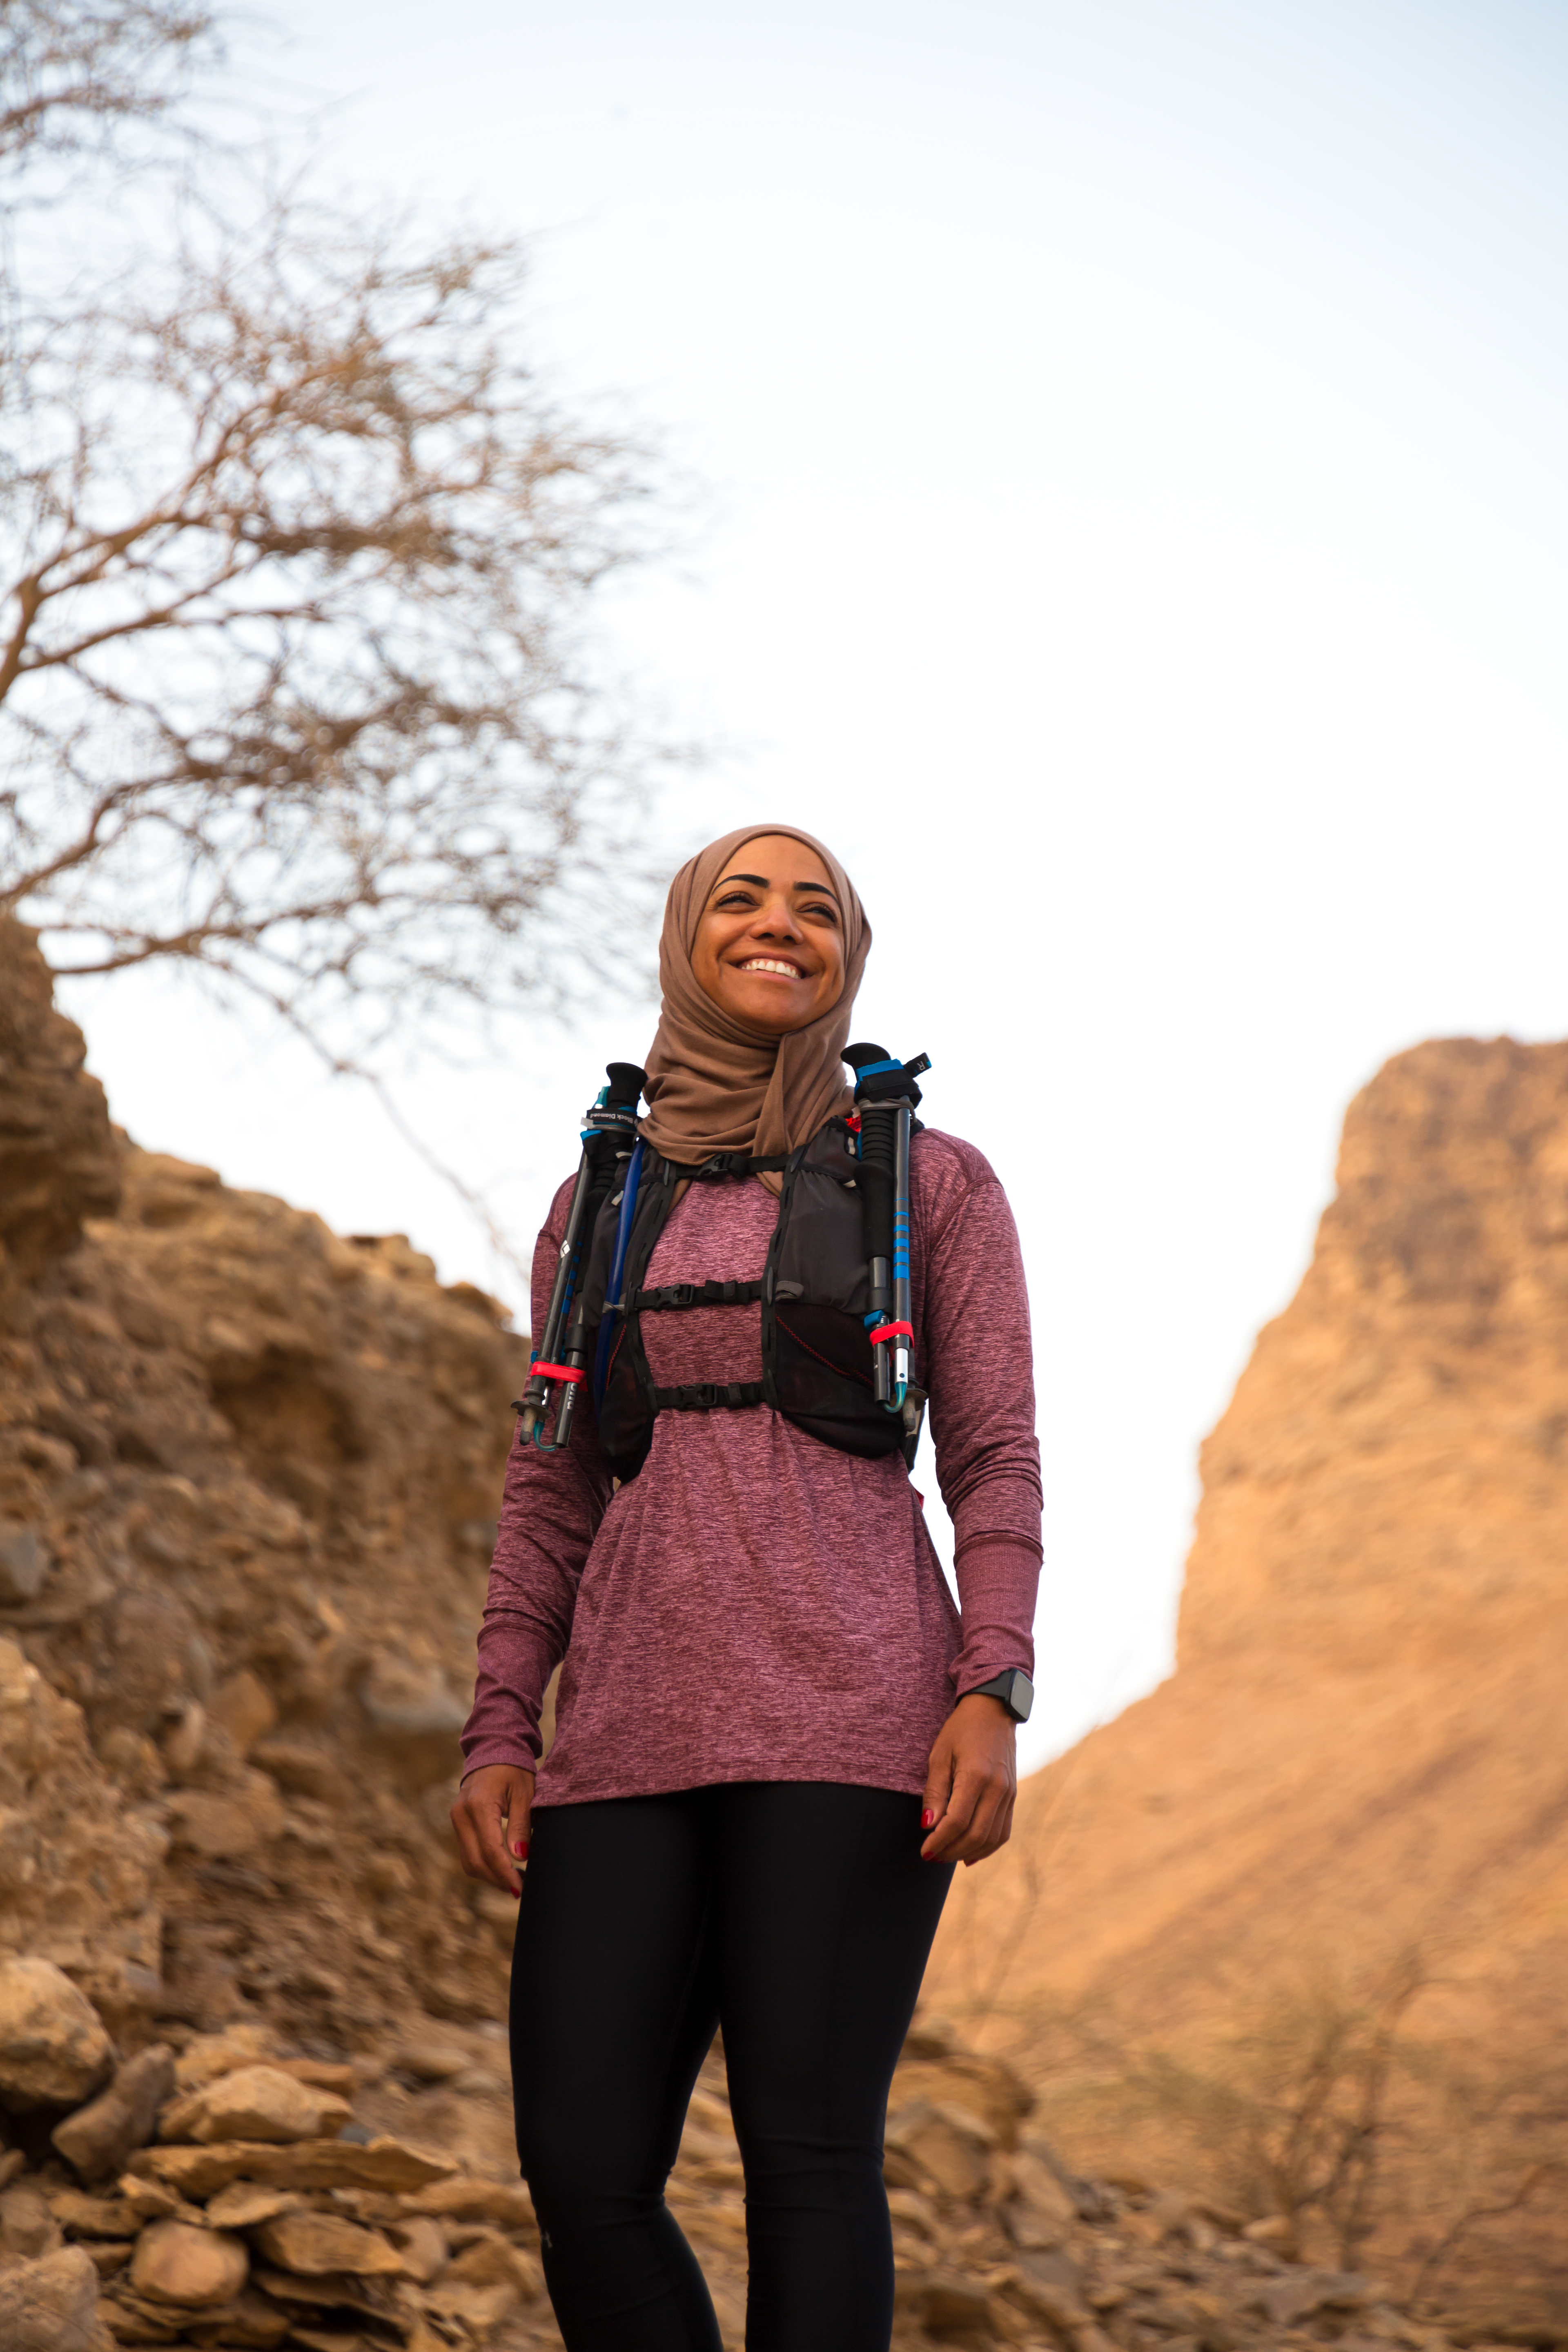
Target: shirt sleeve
[
  {"x": 975, "y": 1346},
  {"x": 551, "y": 1510}
]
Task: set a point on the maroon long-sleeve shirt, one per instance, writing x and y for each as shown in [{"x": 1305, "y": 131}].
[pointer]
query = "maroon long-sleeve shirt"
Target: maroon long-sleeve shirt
[{"x": 755, "y": 1605}]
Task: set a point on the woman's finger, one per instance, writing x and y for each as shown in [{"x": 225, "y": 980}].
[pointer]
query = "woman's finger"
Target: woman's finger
[
  {"x": 486, "y": 1806},
  {"x": 946, "y": 1840},
  {"x": 938, "y": 1788}
]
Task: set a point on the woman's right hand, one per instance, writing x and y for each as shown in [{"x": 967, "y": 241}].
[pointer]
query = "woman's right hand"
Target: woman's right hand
[{"x": 491, "y": 1817}]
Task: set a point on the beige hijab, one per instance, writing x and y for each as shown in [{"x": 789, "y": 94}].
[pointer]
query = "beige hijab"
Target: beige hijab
[{"x": 714, "y": 1085}]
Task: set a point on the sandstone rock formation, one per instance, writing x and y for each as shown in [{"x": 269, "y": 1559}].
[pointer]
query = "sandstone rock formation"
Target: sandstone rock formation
[
  {"x": 1361, "y": 1752},
  {"x": 247, "y": 1477}
]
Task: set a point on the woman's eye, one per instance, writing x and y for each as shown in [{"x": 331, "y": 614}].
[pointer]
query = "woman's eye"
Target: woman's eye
[{"x": 828, "y": 914}]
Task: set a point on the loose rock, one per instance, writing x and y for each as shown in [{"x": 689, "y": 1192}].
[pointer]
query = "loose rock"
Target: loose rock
[
  {"x": 174, "y": 2263},
  {"x": 311, "y": 2245},
  {"x": 97, "y": 2140},
  {"x": 54, "y": 2051},
  {"x": 51, "y": 2304},
  {"x": 256, "y": 2103}
]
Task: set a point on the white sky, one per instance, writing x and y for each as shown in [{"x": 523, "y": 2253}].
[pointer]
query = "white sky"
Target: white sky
[{"x": 1135, "y": 435}]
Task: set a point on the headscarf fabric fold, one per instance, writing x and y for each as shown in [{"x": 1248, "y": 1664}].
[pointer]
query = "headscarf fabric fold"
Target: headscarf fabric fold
[{"x": 713, "y": 1083}]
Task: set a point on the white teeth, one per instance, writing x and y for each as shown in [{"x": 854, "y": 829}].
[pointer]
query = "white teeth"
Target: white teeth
[{"x": 763, "y": 963}]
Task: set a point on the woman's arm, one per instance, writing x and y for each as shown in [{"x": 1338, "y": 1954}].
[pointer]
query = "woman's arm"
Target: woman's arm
[
  {"x": 972, "y": 1318},
  {"x": 551, "y": 1510}
]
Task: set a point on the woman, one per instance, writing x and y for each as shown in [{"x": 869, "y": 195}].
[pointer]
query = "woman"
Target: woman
[{"x": 771, "y": 1740}]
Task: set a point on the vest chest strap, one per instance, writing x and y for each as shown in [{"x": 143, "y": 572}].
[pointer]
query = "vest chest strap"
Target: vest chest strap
[{"x": 696, "y": 1293}]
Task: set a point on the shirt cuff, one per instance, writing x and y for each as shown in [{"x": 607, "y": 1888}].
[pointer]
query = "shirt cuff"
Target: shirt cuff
[{"x": 998, "y": 1577}]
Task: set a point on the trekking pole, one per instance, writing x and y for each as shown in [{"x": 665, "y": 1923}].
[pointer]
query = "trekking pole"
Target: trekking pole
[
  {"x": 609, "y": 1136},
  {"x": 887, "y": 1094}
]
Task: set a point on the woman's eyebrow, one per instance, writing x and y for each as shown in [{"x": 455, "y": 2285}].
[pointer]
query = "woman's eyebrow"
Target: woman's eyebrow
[{"x": 759, "y": 882}]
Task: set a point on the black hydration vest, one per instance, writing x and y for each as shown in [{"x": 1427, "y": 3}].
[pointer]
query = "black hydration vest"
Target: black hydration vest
[{"x": 814, "y": 1292}]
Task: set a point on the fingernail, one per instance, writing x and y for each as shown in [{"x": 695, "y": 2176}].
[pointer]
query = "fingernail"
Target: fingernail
[
  {"x": 517, "y": 1894},
  {"x": 928, "y": 1820},
  {"x": 520, "y": 1851}
]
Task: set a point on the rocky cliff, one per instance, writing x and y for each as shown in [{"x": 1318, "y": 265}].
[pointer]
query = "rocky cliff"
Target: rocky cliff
[
  {"x": 246, "y": 1474},
  {"x": 1358, "y": 1772}
]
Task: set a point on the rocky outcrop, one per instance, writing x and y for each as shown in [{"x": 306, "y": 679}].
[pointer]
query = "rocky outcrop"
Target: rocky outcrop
[
  {"x": 57, "y": 1162},
  {"x": 1360, "y": 1755},
  {"x": 248, "y": 1470}
]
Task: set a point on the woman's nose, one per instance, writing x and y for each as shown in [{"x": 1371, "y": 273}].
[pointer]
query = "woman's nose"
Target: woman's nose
[{"x": 778, "y": 916}]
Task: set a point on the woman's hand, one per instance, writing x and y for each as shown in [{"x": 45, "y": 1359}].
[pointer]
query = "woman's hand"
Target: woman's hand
[
  {"x": 491, "y": 1818},
  {"x": 971, "y": 1782}
]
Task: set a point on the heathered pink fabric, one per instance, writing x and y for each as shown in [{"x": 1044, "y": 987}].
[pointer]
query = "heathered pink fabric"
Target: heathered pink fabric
[{"x": 755, "y": 1605}]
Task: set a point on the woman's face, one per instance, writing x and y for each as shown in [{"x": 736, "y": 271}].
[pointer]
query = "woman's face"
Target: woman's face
[{"x": 770, "y": 946}]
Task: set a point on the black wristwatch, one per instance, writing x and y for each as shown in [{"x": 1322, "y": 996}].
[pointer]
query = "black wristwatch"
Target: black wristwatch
[{"x": 1015, "y": 1690}]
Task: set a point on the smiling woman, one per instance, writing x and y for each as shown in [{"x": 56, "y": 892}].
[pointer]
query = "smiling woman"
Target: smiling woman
[
  {"x": 774, "y": 1735},
  {"x": 770, "y": 948}
]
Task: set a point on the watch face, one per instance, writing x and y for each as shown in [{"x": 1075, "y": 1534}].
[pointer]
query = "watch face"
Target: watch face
[{"x": 1021, "y": 1698}]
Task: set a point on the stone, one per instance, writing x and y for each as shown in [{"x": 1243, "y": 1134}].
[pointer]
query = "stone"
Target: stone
[
  {"x": 215, "y": 1827},
  {"x": 1287, "y": 2300},
  {"x": 54, "y": 2051},
  {"x": 373, "y": 2298},
  {"x": 948, "y": 2303},
  {"x": 483, "y": 2284},
  {"x": 202, "y": 2060},
  {"x": 51, "y": 2304},
  {"x": 322, "y": 2074},
  {"x": 429, "y": 2061},
  {"x": 150, "y": 2200},
  {"x": 132, "y": 2321},
  {"x": 1057, "y": 2300},
  {"x": 26, "y": 2225},
  {"x": 422, "y": 2242},
  {"x": 414, "y": 1716},
  {"x": 174, "y": 2263},
  {"x": 107, "y": 2256},
  {"x": 951, "y": 2146},
  {"x": 243, "y": 2205},
  {"x": 468, "y": 2198},
  {"x": 99, "y": 2138},
  {"x": 81, "y": 2216},
  {"x": 313, "y": 2245},
  {"x": 24, "y": 1563},
  {"x": 244, "y": 1707},
  {"x": 256, "y": 2103},
  {"x": 250, "y": 2324},
  {"x": 1039, "y": 2188}
]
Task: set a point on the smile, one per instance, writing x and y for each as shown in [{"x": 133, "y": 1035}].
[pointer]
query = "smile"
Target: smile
[{"x": 767, "y": 963}]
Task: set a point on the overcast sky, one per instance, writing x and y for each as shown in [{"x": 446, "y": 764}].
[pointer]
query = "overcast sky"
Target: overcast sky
[{"x": 1133, "y": 441}]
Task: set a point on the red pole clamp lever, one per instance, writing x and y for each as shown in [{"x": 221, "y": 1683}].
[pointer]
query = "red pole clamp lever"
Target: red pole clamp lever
[
  {"x": 559, "y": 1372},
  {"x": 892, "y": 1331}
]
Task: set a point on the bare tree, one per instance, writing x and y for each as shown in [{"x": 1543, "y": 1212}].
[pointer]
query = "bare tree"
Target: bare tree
[
  {"x": 294, "y": 551},
  {"x": 71, "y": 74}
]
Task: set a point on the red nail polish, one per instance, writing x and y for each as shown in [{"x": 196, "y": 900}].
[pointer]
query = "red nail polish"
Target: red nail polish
[
  {"x": 520, "y": 1851},
  {"x": 927, "y": 1821}
]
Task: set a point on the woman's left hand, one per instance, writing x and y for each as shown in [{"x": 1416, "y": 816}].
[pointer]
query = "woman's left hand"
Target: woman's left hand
[{"x": 971, "y": 1782}]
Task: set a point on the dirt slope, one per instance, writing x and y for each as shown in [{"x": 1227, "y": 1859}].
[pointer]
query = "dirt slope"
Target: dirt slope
[{"x": 1365, "y": 1748}]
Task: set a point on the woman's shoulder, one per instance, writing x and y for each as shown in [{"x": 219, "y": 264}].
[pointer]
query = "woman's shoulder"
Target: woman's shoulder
[{"x": 943, "y": 1167}]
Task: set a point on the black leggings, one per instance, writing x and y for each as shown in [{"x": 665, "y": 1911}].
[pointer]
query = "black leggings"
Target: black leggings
[{"x": 796, "y": 1916}]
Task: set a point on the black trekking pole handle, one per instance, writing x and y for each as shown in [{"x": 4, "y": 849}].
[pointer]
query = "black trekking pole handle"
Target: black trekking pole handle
[{"x": 609, "y": 1121}]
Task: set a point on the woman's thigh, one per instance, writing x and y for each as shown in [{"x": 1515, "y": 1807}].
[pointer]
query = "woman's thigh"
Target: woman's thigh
[
  {"x": 823, "y": 1919},
  {"x": 613, "y": 1997}
]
